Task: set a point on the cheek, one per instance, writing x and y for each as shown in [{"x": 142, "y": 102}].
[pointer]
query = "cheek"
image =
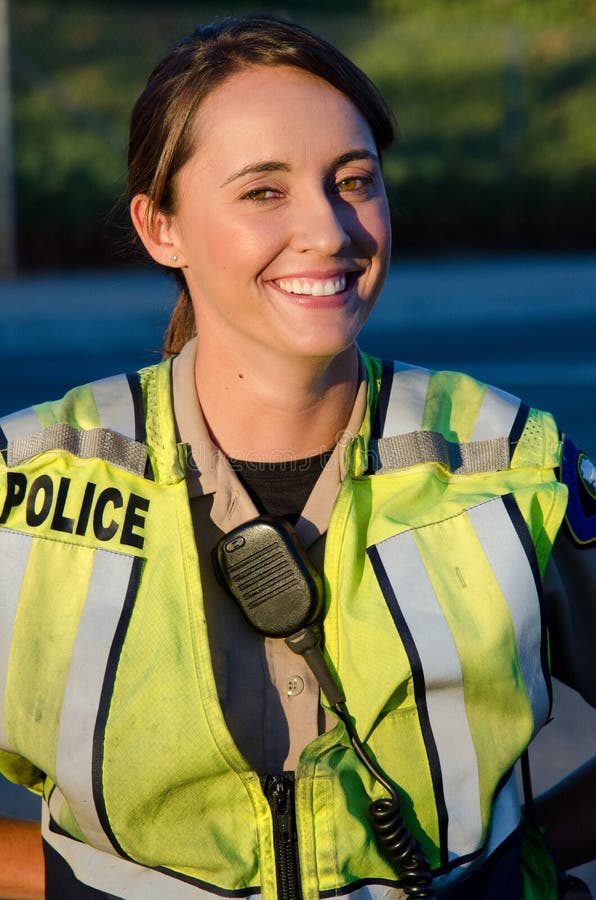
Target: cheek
[
  {"x": 383, "y": 222},
  {"x": 375, "y": 224},
  {"x": 240, "y": 246}
]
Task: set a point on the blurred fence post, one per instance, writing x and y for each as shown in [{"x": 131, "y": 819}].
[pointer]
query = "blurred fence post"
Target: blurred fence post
[{"x": 8, "y": 261}]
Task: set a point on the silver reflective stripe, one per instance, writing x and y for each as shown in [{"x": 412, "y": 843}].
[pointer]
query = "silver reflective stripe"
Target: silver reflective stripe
[
  {"x": 496, "y": 415},
  {"x": 404, "y": 450},
  {"x": 74, "y": 753},
  {"x": 19, "y": 424},
  {"x": 445, "y": 697},
  {"x": 404, "y": 443},
  {"x": 506, "y": 815},
  {"x": 120, "y": 877},
  {"x": 14, "y": 553},
  {"x": 115, "y": 405},
  {"x": 97, "y": 443},
  {"x": 507, "y": 556},
  {"x": 55, "y": 803},
  {"x": 407, "y": 400},
  {"x": 506, "y": 818},
  {"x": 114, "y": 441}
]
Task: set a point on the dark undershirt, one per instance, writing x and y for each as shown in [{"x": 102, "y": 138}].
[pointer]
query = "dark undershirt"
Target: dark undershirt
[{"x": 281, "y": 488}]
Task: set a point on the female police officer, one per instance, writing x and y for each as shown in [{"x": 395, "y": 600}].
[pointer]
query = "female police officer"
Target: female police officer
[{"x": 180, "y": 752}]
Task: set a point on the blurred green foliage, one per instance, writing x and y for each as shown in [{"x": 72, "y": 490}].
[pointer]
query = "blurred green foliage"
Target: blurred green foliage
[{"x": 495, "y": 100}]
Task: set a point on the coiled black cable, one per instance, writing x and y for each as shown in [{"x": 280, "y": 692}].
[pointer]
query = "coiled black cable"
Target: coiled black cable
[
  {"x": 399, "y": 845},
  {"x": 391, "y": 830}
]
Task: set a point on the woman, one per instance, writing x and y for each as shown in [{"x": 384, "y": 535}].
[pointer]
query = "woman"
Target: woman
[{"x": 162, "y": 728}]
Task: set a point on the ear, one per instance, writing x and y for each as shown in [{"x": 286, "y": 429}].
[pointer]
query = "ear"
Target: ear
[{"x": 156, "y": 231}]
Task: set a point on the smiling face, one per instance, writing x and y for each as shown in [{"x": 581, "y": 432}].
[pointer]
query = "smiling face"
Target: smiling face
[{"x": 281, "y": 222}]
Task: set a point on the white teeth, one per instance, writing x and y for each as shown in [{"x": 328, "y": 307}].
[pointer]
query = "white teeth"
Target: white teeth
[{"x": 312, "y": 287}]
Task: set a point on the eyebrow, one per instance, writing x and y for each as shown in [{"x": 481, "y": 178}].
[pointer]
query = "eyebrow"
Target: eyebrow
[
  {"x": 257, "y": 169},
  {"x": 353, "y": 155},
  {"x": 275, "y": 166}
]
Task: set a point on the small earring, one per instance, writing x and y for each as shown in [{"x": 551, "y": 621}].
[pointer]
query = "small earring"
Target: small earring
[{"x": 174, "y": 258}]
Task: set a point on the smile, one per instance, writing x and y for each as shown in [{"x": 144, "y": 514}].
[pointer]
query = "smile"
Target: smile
[{"x": 313, "y": 287}]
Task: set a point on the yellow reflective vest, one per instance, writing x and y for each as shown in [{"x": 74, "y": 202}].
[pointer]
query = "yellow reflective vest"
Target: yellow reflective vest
[{"x": 434, "y": 556}]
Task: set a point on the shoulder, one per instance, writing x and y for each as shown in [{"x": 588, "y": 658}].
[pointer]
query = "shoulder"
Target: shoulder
[
  {"x": 578, "y": 474},
  {"x": 571, "y": 582},
  {"x": 460, "y": 408},
  {"x": 109, "y": 413}
]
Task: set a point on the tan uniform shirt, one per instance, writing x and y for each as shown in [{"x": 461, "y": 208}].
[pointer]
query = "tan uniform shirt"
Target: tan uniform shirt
[{"x": 269, "y": 697}]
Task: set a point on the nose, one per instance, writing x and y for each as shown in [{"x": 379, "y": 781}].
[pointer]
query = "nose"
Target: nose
[{"x": 320, "y": 224}]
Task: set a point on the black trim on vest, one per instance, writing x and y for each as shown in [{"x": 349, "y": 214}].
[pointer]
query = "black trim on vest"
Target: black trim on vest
[
  {"x": 207, "y": 886},
  {"x": 420, "y": 696},
  {"x": 519, "y": 423},
  {"x": 525, "y": 538},
  {"x": 378, "y": 426},
  {"x": 134, "y": 384},
  {"x": 356, "y": 885},
  {"x": 387, "y": 375},
  {"x": 106, "y": 699}
]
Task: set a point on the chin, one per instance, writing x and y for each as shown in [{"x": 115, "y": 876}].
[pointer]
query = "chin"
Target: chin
[{"x": 325, "y": 349}]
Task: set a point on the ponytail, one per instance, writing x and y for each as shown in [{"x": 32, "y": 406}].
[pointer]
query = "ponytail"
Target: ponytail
[{"x": 181, "y": 327}]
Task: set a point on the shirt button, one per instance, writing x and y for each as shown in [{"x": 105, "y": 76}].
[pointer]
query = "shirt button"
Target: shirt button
[{"x": 295, "y": 686}]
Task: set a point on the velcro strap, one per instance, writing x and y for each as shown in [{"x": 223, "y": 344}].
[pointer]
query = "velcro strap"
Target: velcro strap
[
  {"x": 97, "y": 443},
  {"x": 404, "y": 450}
]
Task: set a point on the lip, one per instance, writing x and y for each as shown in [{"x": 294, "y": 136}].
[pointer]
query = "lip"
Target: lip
[
  {"x": 321, "y": 288},
  {"x": 316, "y": 274},
  {"x": 318, "y": 301},
  {"x": 320, "y": 274}
]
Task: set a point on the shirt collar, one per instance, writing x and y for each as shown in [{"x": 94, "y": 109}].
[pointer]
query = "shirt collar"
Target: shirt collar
[{"x": 209, "y": 472}]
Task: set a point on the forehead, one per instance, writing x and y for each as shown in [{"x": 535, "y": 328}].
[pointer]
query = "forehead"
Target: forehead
[{"x": 262, "y": 109}]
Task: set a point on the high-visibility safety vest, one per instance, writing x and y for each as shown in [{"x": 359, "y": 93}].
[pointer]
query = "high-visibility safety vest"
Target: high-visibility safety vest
[{"x": 433, "y": 624}]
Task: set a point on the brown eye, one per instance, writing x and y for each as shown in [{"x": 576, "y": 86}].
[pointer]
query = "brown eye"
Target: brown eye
[
  {"x": 349, "y": 184},
  {"x": 261, "y": 194},
  {"x": 354, "y": 183}
]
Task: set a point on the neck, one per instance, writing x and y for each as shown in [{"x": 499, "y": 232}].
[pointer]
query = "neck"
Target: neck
[{"x": 290, "y": 410}]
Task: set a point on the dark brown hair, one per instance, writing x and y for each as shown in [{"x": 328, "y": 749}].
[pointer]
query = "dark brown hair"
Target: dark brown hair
[{"x": 161, "y": 133}]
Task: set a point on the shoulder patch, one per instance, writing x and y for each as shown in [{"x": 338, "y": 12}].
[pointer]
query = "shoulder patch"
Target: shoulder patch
[{"x": 578, "y": 472}]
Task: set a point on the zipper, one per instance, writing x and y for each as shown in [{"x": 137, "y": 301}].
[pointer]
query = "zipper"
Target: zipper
[{"x": 279, "y": 791}]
